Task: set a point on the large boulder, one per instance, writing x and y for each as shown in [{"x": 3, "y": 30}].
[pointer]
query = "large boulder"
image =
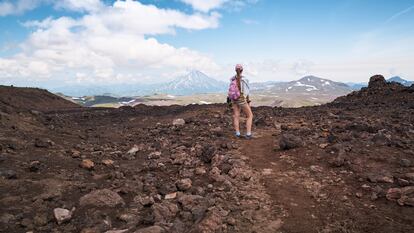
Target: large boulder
[
  {"x": 289, "y": 141},
  {"x": 102, "y": 198},
  {"x": 377, "y": 81}
]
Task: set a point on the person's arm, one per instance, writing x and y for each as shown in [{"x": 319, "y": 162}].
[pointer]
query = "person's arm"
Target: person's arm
[{"x": 246, "y": 83}]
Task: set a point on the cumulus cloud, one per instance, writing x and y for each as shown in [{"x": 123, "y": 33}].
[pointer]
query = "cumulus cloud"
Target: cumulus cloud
[
  {"x": 205, "y": 5},
  {"x": 109, "y": 43},
  {"x": 79, "y": 5},
  {"x": 17, "y": 7},
  {"x": 208, "y": 5}
]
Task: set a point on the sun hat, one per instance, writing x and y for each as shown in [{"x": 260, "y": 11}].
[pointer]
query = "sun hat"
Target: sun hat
[{"x": 239, "y": 67}]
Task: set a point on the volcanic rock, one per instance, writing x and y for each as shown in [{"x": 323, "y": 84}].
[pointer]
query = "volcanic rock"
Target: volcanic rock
[
  {"x": 184, "y": 184},
  {"x": 8, "y": 173},
  {"x": 289, "y": 141},
  {"x": 377, "y": 81},
  {"x": 101, "y": 198},
  {"x": 87, "y": 164},
  {"x": 178, "y": 122},
  {"x": 153, "y": 229},
  {"x": 62, "y": 215}
]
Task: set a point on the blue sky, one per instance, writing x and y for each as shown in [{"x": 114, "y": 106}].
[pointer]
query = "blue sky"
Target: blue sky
[{"x": 51, "y": 43}]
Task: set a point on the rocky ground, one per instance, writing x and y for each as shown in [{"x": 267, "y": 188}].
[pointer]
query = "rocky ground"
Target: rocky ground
[{"x": 347, "y": 166}]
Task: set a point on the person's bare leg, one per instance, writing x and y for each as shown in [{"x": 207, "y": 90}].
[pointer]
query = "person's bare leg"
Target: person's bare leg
[
  {"x": 236, "y": 117},
  {"x": 249, "y": 121}
]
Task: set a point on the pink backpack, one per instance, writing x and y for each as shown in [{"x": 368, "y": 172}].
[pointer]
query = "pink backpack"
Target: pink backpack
[{"x": 234, "y": 92}]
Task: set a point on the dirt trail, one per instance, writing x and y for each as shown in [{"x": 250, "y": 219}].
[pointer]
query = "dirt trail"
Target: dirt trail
[{"x": 287, "y": 193}]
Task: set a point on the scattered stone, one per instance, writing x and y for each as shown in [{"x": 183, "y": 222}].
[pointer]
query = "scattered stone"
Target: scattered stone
[
  {"x": 290, "y": 141},
  {"x": 171, "y": 196},
  {"x": 405, "y": 163},
  {"x": 210, "y": 223},
  {"x": 108, "y": 162},
  {"x": 117, "y": 231},
  {"x": 323, "y": 145},
  {"x": 403, "y": 196},
  {"x": 101, "y": 198},
  {"x": 153, "y": 229},
  {"x": 154, "y": 155},
  {"x": 43, "y": 143},
  {"x": 337, "y": 161},
  {"x": 164, "y": 211},
  {"x": 133, "y": 150},
  {"x": 62, "y": 215},
  {"x": 184, "y": 184},
  {"x": 7, "y": 218},
  {"x": 200, "y": 171},
  {"x": 87, "y": 164},
  {"x": 76, "y": 154},
  {"x": 34, "y": 166},
  {"x": 409, "y": 177},
  {"x": 147, "y": 201},
  {"x": 178, "y": 122},
  {"x": 267, "y": 171},
  {"x": 207, "y": 153},
  {"x": 272, "y": 227},
  {"x": 27, "y": 223},
  {"x": 316, "y": 168},
  {"x": 167, "y": 187},
  {"x": 179, "y": 158},
  {"x": 8, "y": 174},
  {"x": 126, "y": 217},
  {"x": 40, "y": 220},
  {"x": 378, "y": 178},
  {"x": 403, "y": 182}
]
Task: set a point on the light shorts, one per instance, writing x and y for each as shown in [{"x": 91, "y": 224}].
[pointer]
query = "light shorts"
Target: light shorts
[{"x": 241, "y": 101}]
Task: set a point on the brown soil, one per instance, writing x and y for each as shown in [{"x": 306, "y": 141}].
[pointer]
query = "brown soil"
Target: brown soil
[{"x": 341, "y": 161}]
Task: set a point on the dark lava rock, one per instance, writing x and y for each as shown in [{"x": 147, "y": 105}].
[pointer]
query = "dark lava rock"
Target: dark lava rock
[
  {"x": 153, "y": 229},
  {"x": 290, "y": 141},
  {"x": 8, "y": 174},
  {"x": 207, "y": 153},
  {"x": 43, "y": 143},
  {"x": 405, "y": 163},
  {"x": 35, "y": 166},
  {"x": 260, "y": 121},
  {"x": 377, "y": 81}
]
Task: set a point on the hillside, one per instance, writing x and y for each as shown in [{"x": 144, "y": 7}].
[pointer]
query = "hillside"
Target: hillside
[
  {"x": 346, "y": 166},
  {"x": 32, "y": 99}
]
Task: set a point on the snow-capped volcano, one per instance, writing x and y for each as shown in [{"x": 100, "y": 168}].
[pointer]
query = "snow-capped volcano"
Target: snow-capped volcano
[
  {"x": 195, "y": 82},
  {"x": 398, "y": 79},
  {"x": 308, "y": 85}
]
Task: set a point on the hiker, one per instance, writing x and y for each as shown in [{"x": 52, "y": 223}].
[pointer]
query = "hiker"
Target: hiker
[{"x": 238, "y": 96}]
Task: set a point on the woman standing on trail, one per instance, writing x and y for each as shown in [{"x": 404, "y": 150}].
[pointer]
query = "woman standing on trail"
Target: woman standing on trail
[{"x": 239, "y": 97}]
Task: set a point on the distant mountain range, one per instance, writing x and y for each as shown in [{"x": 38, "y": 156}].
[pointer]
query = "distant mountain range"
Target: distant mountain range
[
  {"x": 196, "y": 82},
  {"x": 309, "y": 84},
  {"x": 398, "y": 79}
]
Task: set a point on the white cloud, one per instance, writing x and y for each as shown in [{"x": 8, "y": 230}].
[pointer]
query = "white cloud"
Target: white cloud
[
  {"x": 18, "y": 6},
  {"x": 109, "y": 44},
  {"x": 208, "y": 5},
  {"x": 205, "y": 5},
  {"x": 79, "y": 5}
]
